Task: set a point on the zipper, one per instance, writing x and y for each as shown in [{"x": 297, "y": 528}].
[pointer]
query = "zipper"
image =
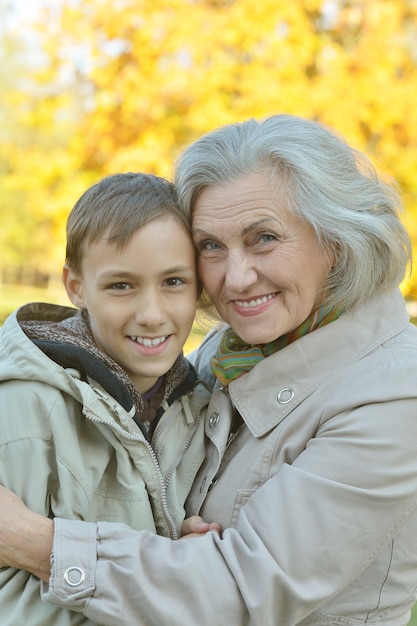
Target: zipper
[
  {"x": 164, "y": 500},
  {"x": 194, "y": 420},
  {"x": 161, "y": 427},
  {"x": 191, "y": 432},
  {"x": 235, "y": 435},
  {"x": 234, "y": 432}
]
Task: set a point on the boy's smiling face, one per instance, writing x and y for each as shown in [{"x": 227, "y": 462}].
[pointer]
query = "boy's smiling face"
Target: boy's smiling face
[{"x": 141, "y": 299}]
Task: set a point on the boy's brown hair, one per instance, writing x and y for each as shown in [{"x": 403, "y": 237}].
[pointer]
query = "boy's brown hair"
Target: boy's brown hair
[{"x": 118, "y": 205}]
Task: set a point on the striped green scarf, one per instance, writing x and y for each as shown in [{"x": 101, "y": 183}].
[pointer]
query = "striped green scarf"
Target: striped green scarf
[{"x": 234, "y": 357}]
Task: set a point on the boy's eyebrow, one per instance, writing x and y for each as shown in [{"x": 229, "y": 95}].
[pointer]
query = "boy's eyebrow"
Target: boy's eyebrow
[
  {"x": 117, "y": 273},
  {"x": 179, "y": 268},
  {"x": 129, "y": 274}
]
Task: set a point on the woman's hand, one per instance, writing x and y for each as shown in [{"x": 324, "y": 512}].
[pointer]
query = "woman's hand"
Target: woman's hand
[
  {"x": 195, "y": 526},
  {"x": 11, "y": 507},
  {"x": 25, "y": 537}
]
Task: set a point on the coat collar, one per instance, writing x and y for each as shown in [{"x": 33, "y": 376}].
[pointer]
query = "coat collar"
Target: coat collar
[{"x": 279, "y": 383}]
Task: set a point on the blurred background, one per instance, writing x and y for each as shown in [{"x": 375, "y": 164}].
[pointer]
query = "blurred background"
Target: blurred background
[{"x": 92, "y": 87}]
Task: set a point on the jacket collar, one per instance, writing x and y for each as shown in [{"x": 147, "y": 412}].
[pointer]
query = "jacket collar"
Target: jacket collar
[{"x": 279, "y": 383}]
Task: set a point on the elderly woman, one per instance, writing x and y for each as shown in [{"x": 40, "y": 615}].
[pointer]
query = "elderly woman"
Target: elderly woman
[{"x": 311, "y": 464}]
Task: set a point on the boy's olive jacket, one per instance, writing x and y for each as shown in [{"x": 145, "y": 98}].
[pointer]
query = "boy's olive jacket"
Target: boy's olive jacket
[{"x": 69, "y": 449}]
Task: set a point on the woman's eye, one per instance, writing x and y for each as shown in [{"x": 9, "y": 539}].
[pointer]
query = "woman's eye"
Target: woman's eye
[
  {"x": 267, "y": 238},
  {"x": 208, "y": 245}
]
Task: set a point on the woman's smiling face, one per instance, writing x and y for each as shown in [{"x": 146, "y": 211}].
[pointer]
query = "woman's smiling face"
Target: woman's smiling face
[{"x": 261, "y": 264}]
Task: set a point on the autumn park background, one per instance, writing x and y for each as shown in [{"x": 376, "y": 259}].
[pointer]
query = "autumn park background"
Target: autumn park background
[{"x": 92, "y": 87}]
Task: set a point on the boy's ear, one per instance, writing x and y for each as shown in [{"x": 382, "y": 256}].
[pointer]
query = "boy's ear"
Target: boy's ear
[{"x": 73, "y": 286}]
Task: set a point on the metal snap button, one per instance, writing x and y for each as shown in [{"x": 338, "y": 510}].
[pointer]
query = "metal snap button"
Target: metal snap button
[
  {"x": 285, "y": 395},
  {"x": 213, "y": 420},
  {"x": 74, "y": 576}
]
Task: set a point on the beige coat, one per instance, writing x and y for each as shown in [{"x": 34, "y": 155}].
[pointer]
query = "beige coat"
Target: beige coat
[
  {"x": 318, "y": 493},
  {"x": 69, "y": 449}
]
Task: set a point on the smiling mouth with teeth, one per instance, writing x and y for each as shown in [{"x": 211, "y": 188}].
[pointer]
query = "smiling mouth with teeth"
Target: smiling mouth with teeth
[
  {"x": 256, "y": 301},
  {"x": 148, "y": 342}
]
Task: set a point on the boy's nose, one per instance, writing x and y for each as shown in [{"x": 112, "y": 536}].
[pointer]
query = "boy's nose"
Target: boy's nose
[{"x": 150, "y": 312}]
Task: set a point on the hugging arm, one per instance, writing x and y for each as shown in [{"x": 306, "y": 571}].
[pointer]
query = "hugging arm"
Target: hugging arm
[
  {"x": 25, "y": 537},
  {"x": 350, "y": 492},
  {"x": 282, "y": 561}
]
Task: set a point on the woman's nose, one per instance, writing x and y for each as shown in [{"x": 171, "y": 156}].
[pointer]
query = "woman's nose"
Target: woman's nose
[{"x": 240, "y": 272}]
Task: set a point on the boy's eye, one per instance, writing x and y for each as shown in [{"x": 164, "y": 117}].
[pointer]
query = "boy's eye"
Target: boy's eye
[
  {"x": 174, "y": 282},
  {"x": 120, "y": 286}
]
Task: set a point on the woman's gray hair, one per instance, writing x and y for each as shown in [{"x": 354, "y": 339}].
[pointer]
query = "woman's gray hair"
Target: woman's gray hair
[{"x": 354, "y": 213}]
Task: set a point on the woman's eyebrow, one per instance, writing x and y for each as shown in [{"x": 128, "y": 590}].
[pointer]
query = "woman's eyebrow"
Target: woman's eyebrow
[
  {"x": 248, "y": 229},
  {"x": 266, "y": 220},
  {"x": 200, "y": 232}
]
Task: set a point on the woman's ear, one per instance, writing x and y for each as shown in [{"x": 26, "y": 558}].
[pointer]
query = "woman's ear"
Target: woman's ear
[{"x": 73, "y": 285}]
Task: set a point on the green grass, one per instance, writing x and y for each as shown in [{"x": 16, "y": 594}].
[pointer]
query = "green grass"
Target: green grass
[
  {"x": 413, "y": 620},
  {"x": 13, "y": 296}
]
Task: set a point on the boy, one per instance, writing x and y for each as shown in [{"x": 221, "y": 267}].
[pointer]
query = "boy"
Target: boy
[{"x": 101, "y": 417}]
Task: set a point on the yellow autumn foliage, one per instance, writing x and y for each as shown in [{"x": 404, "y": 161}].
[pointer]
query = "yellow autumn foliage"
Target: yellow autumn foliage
[{"x": 117, "y": 85}]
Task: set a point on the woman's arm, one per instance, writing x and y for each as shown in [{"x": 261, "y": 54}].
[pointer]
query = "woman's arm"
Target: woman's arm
[
  {"x": 25, "y": 537},
  {"x": 348, "y": 493},
  {"x": 303, "y": 537}
]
